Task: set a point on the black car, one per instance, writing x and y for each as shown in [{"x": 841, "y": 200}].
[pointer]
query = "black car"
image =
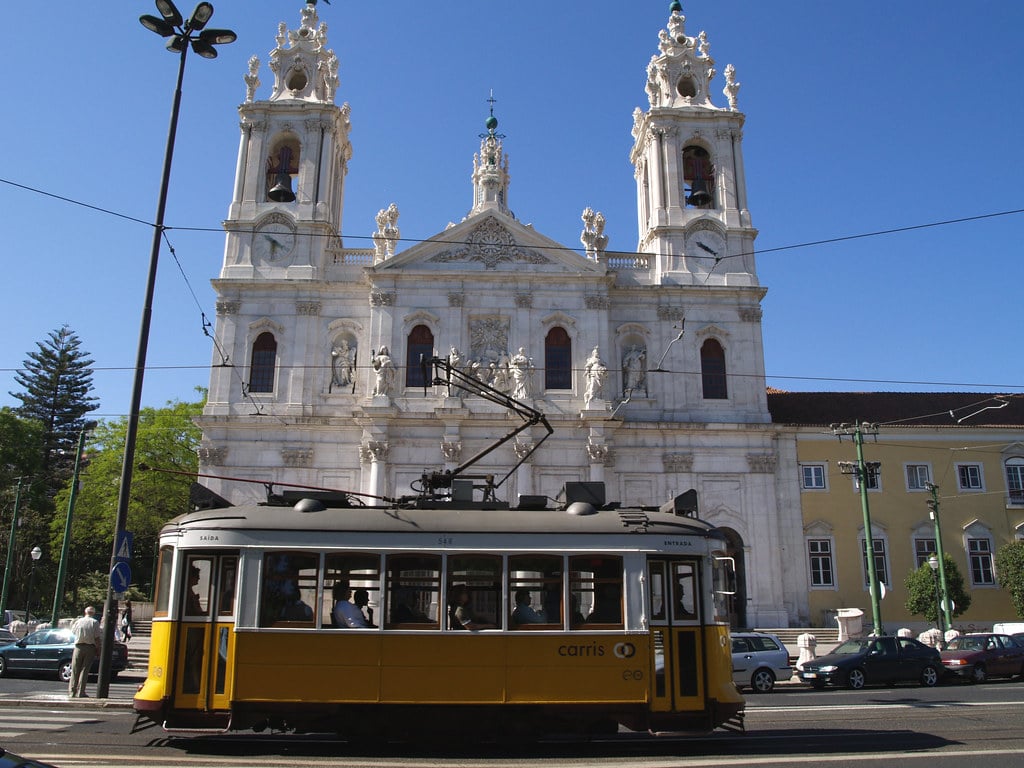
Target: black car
[
  {"x": 11, "y": 760},
  {"x": 857, "y": 663},
  {"x": 49, "y": 651}
]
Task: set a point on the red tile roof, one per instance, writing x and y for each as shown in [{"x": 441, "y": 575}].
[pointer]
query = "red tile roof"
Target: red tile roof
[{"x": 910, "y": 409}]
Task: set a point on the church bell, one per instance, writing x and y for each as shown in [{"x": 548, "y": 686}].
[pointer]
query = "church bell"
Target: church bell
[
  {"x": 282, "y": 192},
  {"x": 699, "y": 195}
]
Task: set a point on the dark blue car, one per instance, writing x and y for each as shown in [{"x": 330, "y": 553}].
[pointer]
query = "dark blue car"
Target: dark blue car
[
  {"x": 48, "y": 652},
  {"x": 875, "y": 660}
]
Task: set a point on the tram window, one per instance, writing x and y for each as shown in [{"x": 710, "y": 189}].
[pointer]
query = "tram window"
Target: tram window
[
  {"x": 357, "y": 574},
  {"x": 479, "y": 576},
  {"x": 199, "y": 580},
  {"x": 413, "y": 584},
  {"x": 595, "y": 589},
  {"x": 658, "y": 590},
  {"x": 228, "y": 571},
  {"x": 535, "y": 591},
  {"x": 684, "y": 588},
  {"x": 163, "y": 582},
  {"x": 289, "y": 589}
]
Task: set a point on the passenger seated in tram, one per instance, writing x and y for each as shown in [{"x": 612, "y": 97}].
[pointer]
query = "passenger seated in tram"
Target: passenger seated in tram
[
  {"x": 362, "y": 600},
  {"x": 404, "y": 610},
  {"x": 461, "y": 612},
  {"x": 345, "y": 613},
  {"x": 607, "y": 606},
  {"x": 523, "y": 613}
]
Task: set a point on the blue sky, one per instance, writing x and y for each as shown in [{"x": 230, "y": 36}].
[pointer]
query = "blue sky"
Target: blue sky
[{"x": 861, "y": 118}]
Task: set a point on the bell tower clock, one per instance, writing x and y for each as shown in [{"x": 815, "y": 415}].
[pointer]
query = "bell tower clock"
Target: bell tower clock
[
  {"x": 688, "y": 163},
  {"x": 292, "y": 160}
]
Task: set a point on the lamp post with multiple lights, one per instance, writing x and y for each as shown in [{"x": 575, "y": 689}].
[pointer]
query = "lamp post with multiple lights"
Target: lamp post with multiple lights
[{"x": 182, "y": 34}]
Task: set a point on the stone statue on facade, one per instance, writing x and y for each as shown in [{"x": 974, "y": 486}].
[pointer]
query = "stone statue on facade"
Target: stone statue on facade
[
  {"x": 634, "y": 371},
  {"x": 343, "y": 365},
  {"x": 595, "y": 372},
  {"x": 521, "y": 369},
  {"x": 384, "y": 368}
]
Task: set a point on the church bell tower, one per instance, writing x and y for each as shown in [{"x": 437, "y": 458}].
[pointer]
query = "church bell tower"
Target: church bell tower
[
  {"x": 688, "y": 161},
  {"x": 292, "y": 159}
]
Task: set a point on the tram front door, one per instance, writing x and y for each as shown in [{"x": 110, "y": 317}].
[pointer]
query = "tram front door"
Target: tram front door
[
  {"x": 676, "y": 634},
  {"x": 206, "y": 638}
]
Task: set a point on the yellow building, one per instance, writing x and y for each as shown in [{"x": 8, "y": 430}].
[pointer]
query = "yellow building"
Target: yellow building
[{"x": 968, "y": 446}]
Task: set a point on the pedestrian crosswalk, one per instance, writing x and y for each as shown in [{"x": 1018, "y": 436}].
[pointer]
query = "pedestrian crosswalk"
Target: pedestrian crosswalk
[{"x": 20, "y": 721}]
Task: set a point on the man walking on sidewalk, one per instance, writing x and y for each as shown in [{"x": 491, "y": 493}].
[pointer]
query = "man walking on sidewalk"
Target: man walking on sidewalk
[{"x": 87, "y": 642}]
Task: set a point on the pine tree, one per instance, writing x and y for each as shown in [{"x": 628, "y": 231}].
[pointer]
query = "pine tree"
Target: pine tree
[{"x": 56, "y": 381}]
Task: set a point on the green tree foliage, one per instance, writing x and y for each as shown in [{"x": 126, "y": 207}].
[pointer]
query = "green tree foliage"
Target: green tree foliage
[
  {"x": 21, "y": 442},
  {"x": 1010, "y": 573},
  {"x": 921, "y": 591},
  {"x": 21, "y": 453},
  {"x": 167, "y": 440},
  {"x": 56, "y": 380}
]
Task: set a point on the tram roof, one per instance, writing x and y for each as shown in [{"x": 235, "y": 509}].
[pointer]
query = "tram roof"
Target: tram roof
[{"x": 441, "y": 519}]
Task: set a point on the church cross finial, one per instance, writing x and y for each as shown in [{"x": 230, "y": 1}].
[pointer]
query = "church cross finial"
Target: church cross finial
[{"x": 492, "y": 122}]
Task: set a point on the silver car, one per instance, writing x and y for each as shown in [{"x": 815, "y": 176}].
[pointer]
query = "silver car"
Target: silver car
[{"x": 758, "y": 660}]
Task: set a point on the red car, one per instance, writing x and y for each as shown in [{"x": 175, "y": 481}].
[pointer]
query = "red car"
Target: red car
[{"x": 979, "y": 656}]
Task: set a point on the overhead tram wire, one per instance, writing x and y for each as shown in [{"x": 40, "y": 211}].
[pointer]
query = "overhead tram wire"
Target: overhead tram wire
[
  {"x": 225, "y": 360},
  {"x": 650, "y": 254}
]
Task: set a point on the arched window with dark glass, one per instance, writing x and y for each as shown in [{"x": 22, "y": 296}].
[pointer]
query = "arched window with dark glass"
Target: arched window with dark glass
[
  {"x": 698, "y": 178},
  {"x": 264, "y": 360},
  {"x": 419, "y": 346},
  {"x": 712, "y": 371},
  {"x": 557, "y": 359}
]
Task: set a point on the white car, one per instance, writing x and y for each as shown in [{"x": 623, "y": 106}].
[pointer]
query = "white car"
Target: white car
[{"x": 758, "y": 660}]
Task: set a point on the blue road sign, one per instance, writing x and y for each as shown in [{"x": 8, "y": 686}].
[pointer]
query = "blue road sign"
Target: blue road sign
[
  {"x": 124, "y": 547},
  {"x": 121, "y": 577}
]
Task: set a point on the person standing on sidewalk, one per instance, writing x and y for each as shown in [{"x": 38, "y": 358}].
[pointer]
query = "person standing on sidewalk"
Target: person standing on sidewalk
[{"x": 87, "y": 642}]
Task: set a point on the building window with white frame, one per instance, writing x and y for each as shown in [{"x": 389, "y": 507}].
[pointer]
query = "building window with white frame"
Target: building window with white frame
[
  {"x": 872, "y": 475},
  {"x": 812, "y": 477},
  {"x": 819, "y": 554},
  {"x": 918, "y": 477},
  {"x": 881, "y": 566},
  {"x": 923, "y": 549},
  {"x": 979, "y": 552},
  {"x": 969, "y": 477},
  {"x": 1015, "y": 480}
]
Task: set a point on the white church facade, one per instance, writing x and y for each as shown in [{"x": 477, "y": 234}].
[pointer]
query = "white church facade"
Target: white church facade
[{"x": 316, "y": 376}]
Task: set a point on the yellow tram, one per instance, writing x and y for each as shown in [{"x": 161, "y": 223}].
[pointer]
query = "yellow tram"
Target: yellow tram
[{"x": 584, "y": 617}]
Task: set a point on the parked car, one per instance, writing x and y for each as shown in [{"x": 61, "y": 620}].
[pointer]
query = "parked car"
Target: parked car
[
  {"x": 11, "y": 760},
  {"x": 758, "y": 659},
  {"x": 49, "y": 651},
  {"x": 873, "y": 660},
  {"x": 979, "y": 656},
  {"x": 6, "y": 636}
]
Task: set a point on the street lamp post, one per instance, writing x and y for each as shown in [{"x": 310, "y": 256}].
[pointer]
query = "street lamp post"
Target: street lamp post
[
  {"x": 933, "y": 563},
  {"x": 933, "y": 513},
  {"x": 862, "y": 470},
  {"x": 36, "y": 554},
  {"x": 58, "y": 593},
  {"x": 183, "y": 35}
]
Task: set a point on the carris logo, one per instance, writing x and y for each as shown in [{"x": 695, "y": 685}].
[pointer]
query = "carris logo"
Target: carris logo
[{"x": 624, "y": 650}]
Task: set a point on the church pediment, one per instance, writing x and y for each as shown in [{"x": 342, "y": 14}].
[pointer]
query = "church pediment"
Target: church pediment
[{"x": 490, "y": 242}]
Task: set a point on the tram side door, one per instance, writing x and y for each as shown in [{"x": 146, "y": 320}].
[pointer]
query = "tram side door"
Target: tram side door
[
  {"x": 676, "y": 634},
  {"x": 205, "y": 647}
]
